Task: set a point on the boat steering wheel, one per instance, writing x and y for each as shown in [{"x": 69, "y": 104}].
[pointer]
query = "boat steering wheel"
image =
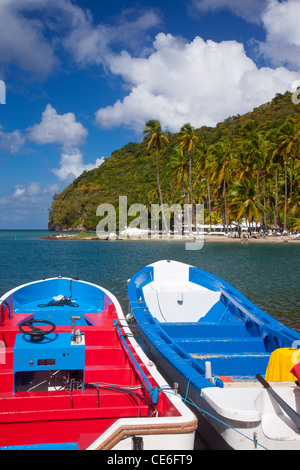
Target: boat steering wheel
[{"x": 37, "y": 334}]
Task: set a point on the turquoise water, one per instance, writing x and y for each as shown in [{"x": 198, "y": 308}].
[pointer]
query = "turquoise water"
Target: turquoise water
[{"x": 268, "y": 274}]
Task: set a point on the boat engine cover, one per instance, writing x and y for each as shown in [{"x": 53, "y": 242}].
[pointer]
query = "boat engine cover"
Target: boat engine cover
[{"x": 56, "y": 352}]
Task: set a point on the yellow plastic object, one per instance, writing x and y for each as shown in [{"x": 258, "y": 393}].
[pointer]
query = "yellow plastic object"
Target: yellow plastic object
[{"x": 280, "y": 363}]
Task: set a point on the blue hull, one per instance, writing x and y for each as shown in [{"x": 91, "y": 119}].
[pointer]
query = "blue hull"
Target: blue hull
[{"x": 233, "y": 335}]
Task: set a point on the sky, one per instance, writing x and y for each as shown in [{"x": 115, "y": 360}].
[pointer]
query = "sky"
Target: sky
[{"x": 80, "y": 78}]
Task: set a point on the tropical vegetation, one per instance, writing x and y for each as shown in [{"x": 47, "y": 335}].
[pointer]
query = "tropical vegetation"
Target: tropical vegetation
[{"x": 247, "y": 167}]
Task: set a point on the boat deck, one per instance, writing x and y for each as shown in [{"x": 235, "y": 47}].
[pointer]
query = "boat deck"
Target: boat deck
[{"x": 233, "y": 352}]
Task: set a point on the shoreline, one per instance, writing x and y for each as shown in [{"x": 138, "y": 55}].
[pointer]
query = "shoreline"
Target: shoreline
[{"x": 172, "y": 238}]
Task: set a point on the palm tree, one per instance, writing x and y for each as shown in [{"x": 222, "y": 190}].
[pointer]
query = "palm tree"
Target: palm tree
[
  {"x": 157, "y": 139},
  {"x": 203, "y": 169},
  {"x": 243, "y": 201},
  {"x": 275, "y": 166},
  {"x": 221, "y": 160},
  {"x": 287, "y": 140},
  {"x": 251, "y": 151},
  {"x": 257, "y": 148},
  {"x": 188, "y": 140},
  {"x": 265, "y": 151},
  {"x": 179, "y": 166},
  {"x": 296, "y": 225},
  {"x": 296, "y": 185}
]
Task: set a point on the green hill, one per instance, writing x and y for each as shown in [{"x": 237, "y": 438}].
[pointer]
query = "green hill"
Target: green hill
[{"x": 131, "y": 171}]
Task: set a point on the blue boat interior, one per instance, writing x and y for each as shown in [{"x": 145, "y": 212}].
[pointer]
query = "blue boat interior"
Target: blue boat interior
[
  {"x": 37, "y": 299},
  {"x": 234, "y": 335},
  {"x": 234, "y": 352},
  {"x": 238, "y": 346}
]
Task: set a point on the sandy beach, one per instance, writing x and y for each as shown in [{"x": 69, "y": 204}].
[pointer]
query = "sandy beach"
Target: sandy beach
[{"x": 207, "y": 238}]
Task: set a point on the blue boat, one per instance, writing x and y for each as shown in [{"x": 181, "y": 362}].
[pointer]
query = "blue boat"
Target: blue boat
[{"x": 230, "y": 360}]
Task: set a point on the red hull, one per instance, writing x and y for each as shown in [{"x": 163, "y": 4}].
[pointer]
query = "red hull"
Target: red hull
[{"x": 45, "y": 417}]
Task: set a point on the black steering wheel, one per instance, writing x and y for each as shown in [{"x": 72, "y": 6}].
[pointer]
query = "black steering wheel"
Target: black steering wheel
[{"x": 37, "y": 334}]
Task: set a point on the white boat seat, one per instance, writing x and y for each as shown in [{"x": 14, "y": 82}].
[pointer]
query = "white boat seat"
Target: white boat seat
[
  {"x": 275, "y": 423},
  {"x": 254, "y": 404},
  {"x": 235, "y": 404},
  {"x": 179, "y": 302}
]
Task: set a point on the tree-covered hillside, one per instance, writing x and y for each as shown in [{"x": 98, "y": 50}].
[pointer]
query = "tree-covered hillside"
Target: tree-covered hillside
[{"x": 247, "y": 166}]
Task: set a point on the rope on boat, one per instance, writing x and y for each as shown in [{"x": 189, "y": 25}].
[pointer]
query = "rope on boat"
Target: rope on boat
[
  {"x": 185, "y": 400},
  {"x": 211, "y": 416},
  {"x": 60, "y": 303},
  {"x": 153, "y": 391}
]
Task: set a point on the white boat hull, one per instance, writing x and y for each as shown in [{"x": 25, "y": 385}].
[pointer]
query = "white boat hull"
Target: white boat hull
[{"x": 248, "y": 418}]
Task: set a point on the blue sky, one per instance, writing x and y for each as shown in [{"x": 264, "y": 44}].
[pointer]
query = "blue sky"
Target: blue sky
[{"x": 82, "y": 78}]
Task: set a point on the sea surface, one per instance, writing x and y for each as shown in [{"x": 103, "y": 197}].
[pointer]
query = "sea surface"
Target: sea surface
[{"x": 268, "y": 274}]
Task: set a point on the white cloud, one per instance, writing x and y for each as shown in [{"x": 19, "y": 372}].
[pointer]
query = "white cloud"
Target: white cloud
[
  {"x": 198, "y": 82},
  {"x": 279, "y": 18},
  {"x": 11, "y": 141},
  {"x": 72, "y": 166},
  {"x": 22, "y": 42},
  {"x": 65, "y": 130},
  {"x": 33, "y": 31},
  {"x": 93, "y": 44},
  {"x": 281, "y": 21},
  {"x": 250, "y": 10},
  {"x": 31, "y": 191},
  {"x": 58, "y": 129},
  {"x": 19, "y": 190},
  {"x": 26, "y": 203}
]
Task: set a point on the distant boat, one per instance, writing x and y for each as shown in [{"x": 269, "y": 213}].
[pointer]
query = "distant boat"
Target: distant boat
[
  {"x": 73, "y": 377},
  {"x": 218, "y": 346},
  {"x": 134, "y": 232}
]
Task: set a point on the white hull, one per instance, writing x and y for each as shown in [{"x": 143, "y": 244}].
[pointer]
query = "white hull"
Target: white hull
[{"x": 248, "y": 418}]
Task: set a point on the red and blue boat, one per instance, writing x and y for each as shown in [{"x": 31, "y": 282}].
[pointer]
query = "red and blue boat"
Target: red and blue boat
[{"x": 73, "y": 377}]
